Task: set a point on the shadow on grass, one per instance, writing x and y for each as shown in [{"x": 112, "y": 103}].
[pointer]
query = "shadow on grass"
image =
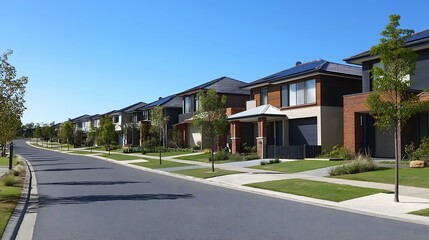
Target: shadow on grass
[
  {"x": 45, "y": 201},
  {"x": 91, "y": 183}
]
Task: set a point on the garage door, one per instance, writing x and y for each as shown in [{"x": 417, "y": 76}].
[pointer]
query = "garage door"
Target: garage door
[{"x": 303, "y": 131}]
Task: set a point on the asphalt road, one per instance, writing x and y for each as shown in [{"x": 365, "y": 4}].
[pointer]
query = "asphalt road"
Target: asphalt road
[{"x": 87, "y": 198}]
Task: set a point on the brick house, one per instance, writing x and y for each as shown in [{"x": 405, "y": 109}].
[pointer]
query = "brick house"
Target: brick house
[
  {"x": 302, "y": 105},
  {"x": 359, "y": 131},
  {"x": 236, "y": 101}
]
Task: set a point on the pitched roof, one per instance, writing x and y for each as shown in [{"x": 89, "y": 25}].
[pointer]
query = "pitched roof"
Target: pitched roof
[
  {"x": 318, "y": 65},
  {"x": 416, "y": 40},
  {"x": 159, "y": 102},
  {"x": 82, "y": 118},
  {"x": 263, "y": 110},
  {"x": 220, "y": 85},
  {"x": 135, "y": 107},
  {"x": 126, "y": 108}
]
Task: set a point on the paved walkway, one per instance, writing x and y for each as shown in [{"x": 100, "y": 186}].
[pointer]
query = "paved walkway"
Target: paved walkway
[{"x": 411, "y": 198}]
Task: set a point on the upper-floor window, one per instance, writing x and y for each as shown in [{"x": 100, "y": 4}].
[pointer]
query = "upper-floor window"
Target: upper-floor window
[
  {"x": 264, "y": 96},
  {"x": 284, "y": 95},
  {"x": 196, "y": 103},
  {"x": 115, "y": 119},
  {"x": 301, "y": 93},
  {"x": 187, "y": 104},
  {"x": 146, "y": 115}
]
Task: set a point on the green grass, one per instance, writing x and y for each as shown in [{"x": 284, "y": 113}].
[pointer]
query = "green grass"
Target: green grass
[
  {"x": 169, "y": 154},
  {"x": 101, "y": 148},
  {"x": 154, "y": 163},
  {"x": 9, "y": 197},
  {"x": 415, "y": 177},
  {"x": 120, "y": 157},
  {"x": 298, "y": 166},
  {"x": 204, "y": 157},
  {"x": 423, "y": 212},
  {"x": 83, "y": 152},
  {"x": 4, "y": 161},
  {"x": 205, "y": 172},
  {"x": 314, "y": 189}
]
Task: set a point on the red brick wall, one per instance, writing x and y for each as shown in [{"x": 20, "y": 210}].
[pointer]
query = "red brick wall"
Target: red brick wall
[{"x": 353, "y": 104}]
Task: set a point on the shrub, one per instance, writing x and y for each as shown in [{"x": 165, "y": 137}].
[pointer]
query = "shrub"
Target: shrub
[
  {"x": 358, "y": 165},
  {"x": 235, "y": 157},
  {"x": 421, "y": 153},
  {"x": 339, "y": 152},
  {"x": 196, "y": 148},
  {"x": 276, "y": 160},
  {"x": 263, "y": 163},
  {"x": 221, "y": 155},
  {"x": 250, "y": 157},
  {"x": 9, "y": 180},
  {"x": 17, "y": 170}
]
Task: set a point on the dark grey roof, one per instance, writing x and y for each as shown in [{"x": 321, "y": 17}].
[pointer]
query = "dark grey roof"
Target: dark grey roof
[
  {"x": 220, "y": 85},
  {"x": 417, "y": 39},
  {"x": 82, "y": 118},
  {"x": 318, "y": 65},
  {"x": 135, "y": 107},
  {"x": 166, "y": 101},
  {"x": 126, "y": 108}
]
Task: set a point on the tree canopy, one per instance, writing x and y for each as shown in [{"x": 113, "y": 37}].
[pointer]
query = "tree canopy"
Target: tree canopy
[{"x": 12, "y": 90}]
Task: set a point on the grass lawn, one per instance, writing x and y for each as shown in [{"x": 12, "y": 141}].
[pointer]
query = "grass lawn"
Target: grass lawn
[
  {"x": 101, "y": 148},
  {"x": 423, "y": 212},
  {"x": 169, "y": 154},
  {"x": 154, "y": 163},
  {"x": 83, "y": 152},
  {"x": 205, "y": 172},
  {"x": 204, "y": 157},
  {"x": 4, "y": 161},
  {"x": 9, "y": 197},
  {"x": 120, "y": 157},
  {"x": 416, "y": 177},
  {"x": 299, "y": 165},
  {"x": 315, "y": 189}
]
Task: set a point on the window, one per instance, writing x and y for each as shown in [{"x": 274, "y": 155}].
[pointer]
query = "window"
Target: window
[
  {"x": 284, "y": 95},
  {"x": 146, "y": 115},
  {"x": 310, "y": 91},
  {"x": 196, "y": 102},
  {"x": 187, "y": 104},
  {"x": 264, "y": 96},
  {"x": 115, "y": 119},
  {"x": 302, "y": 93}
]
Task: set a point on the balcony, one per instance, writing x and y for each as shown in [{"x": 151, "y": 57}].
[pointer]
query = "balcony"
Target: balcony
[{"x": 183, "y": 117}]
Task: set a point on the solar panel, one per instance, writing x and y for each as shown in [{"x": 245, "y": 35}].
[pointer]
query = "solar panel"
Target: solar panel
[{"x": 418, "y": 36}]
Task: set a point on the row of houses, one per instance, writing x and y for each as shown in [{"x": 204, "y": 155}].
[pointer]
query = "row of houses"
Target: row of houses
[{"x": 316, "y": 104}]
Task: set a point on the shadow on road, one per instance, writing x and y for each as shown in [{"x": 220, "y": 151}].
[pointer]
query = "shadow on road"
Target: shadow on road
[
  {"x": 70, "y": 169},
  {"x": 89, "y": 183},
  {"x": 45, "y": 201}
]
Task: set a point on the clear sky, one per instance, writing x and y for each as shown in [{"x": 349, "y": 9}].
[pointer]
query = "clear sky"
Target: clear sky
[{"x": 89, "y": 57}]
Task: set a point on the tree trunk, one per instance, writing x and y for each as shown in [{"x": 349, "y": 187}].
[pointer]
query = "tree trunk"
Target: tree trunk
[
  {"x": 397, "y": 158},
  {"x": 213, "y": 160}
]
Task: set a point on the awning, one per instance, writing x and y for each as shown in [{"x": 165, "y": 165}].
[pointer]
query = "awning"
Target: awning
[{"x": 253, "y": 114}]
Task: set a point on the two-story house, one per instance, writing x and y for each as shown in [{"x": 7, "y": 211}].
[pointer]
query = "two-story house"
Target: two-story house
[
  {"x": 172, "y": 107},
  {"x": 121, "y": 117},
  {"x": 302, "y": 105},
  {"x": 81, "y": 126},
  {"x": 236, "y": 101},
  {"x": 359, "y": 131}
]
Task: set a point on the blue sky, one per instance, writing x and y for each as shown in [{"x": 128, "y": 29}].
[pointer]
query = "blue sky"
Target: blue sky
[{"x": 89, "y": 57}]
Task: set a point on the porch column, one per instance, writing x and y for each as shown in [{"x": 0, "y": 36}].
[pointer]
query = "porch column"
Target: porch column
[
  {"x": 261, "y": 140},
  {"x": 235, "y": 136}
]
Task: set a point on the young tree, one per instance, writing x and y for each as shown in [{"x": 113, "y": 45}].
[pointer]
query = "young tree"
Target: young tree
[
  {"x": 66, "y": 131},
  {"x": 158, "y": 126},
  {"x": 12, "y": 101},
  {"x": 92, "y": 135},
  {"x": 392, "y": 103},
  {"x": 107, "y": 133},
  {"x": 211, "y": 118}
]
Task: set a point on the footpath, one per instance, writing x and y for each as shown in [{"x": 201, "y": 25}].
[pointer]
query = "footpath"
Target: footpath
[{"x": 380, "y": 205}]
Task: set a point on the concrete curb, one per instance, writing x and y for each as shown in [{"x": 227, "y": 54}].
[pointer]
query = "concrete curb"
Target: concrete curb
[{"x": 16, "y": 219}]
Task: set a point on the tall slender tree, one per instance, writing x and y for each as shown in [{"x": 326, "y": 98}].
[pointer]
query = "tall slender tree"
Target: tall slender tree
[
  {"x": 107, "y": 132},
  {"x": 159, "y": 126},
  {"x": 210, "y": 118},
  {"x": 12, "y": 100},
  {"x": 392, "y": 103},
  {"x": 66, "y": 131}
]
